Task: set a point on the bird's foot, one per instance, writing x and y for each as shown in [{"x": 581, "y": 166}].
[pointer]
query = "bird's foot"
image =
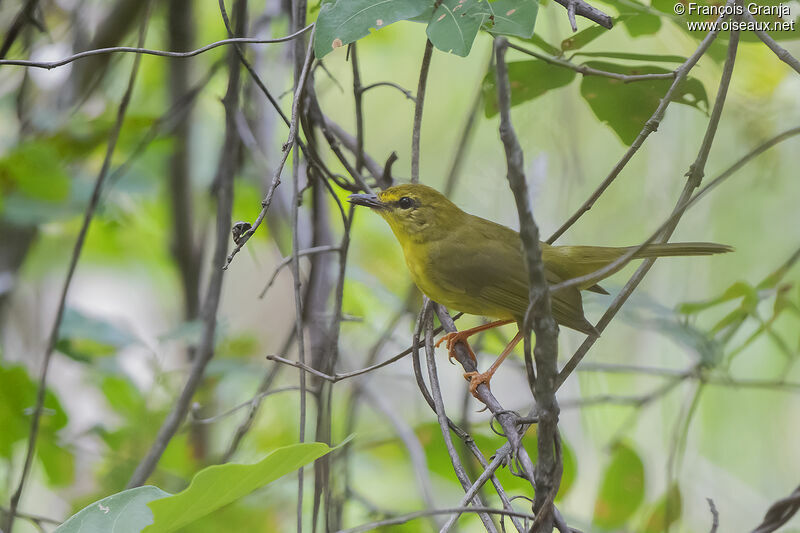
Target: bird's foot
[
  {"x": 476, "y": 379},
  {"x": 452, "y": 339}
]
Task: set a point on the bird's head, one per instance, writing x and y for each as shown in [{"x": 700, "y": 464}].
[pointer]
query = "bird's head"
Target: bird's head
[{"x": 414, "y": 212}]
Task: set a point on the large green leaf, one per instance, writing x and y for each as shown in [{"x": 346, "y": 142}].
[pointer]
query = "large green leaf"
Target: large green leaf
[
  {"x": 34, "y": 169},
  {"x": 528, "y": 80},
  {"x": 219, "y": 485},
  {"x": 622, "y": 489},
  {"x": 455, "y": 23},
  {"x": 152, "y": 510},
  {"x": 626, "y": 107},
  {"x": 124, "y": 512},
  {"x": 512, "y": 17},
  {"x": 345, "y": 21}
]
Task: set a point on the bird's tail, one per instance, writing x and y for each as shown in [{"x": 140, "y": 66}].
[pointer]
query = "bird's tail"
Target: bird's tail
[{"x": 681, "y": 248}]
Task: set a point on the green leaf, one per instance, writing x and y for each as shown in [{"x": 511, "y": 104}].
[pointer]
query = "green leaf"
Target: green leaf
[
  {"x": 512, "y": 17},
  {"x": 622, "y": 489},
  {"x": 455, "y": 23},
  {"x": 665, "y": 512},
  {"x": 528, "y": 80},
  {"x": 345, "y": 21},
  {"x": 626, "y": 107},
  {"x": 82, "y": 337},
  {"x": 219, "y": 485},
  {"x": 124, "y": 512}
]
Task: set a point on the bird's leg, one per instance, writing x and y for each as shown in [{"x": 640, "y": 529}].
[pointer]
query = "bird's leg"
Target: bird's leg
[
  {"x": 462, "y": 336},
  {"x": 476, "y": 378}
]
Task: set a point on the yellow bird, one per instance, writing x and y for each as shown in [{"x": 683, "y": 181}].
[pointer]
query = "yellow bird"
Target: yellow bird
[{"x": 476, "y": 266}]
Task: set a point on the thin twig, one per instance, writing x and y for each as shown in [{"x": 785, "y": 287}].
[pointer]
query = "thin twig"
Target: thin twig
[
  {"x": 418, "y": 105},
  {"x": 161, "y": 53},
  {"x": 400, "y": 88},
  {"x": 714, "y": 515},
  {"x": 287, "y": 147},
  {"x": 224, "y": 192},
  {"x": 91, "y": 208},
  {"x": 589, "y": 71},
  {"x": 288, "y": 259},
  {"x": 402, "y": 519},
  {"x": 436, "y": 394},
  {"x": 579, "y": 7},
  {"x": 779, "y": 513}
]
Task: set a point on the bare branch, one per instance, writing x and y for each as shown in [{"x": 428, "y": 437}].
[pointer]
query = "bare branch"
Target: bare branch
[
  {"x": 402, "y": 519},
  {"x": 538, "y": 315},
  {"x": 779, "y": 513},
  {"x": 287, "y": 147},
  {"x": 589, "y": 71},
  {"x": 418, "y": 105},
  {"x": 161, "y": 53},
  {"x": 579, "y": 7}
]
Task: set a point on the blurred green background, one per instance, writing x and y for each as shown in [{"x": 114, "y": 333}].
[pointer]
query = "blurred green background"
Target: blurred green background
[{"x": 635, "y": 458}]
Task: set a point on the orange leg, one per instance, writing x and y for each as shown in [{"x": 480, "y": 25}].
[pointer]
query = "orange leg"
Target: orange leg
[
  {"x": 476, "y": 378},
  {"x": 462, "y": 336}
]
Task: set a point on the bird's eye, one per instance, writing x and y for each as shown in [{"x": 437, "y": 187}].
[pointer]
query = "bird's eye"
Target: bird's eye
[{"x": 405, "y": 202}]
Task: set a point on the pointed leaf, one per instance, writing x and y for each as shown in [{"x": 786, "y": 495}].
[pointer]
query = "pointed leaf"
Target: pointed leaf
[{"x": 220, "y": 485}]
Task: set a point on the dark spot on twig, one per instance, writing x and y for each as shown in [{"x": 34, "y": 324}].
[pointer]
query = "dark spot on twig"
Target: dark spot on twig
[{"x": 238, "y": 230}]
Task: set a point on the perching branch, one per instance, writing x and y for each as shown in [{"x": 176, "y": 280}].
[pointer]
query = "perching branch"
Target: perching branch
[
  {"x": 91, "y": 208},
  {"x": 539, "y": 316},
  {"x": 436, "y": 394}
]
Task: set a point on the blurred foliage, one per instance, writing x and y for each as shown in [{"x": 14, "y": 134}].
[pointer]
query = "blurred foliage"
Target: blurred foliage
[{"x": 124, "y": 344}]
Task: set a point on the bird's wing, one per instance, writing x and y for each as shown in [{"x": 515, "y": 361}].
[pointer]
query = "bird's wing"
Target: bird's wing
[{"x": 491, "y": 279}]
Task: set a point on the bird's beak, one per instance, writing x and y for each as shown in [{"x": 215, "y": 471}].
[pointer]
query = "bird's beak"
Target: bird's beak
[{"x": 367, "y": 200}]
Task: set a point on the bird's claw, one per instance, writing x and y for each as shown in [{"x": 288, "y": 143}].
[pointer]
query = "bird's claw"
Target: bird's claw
[
  {"x": 477, "y": 379},
  {"x": 452, "y": 339}
]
